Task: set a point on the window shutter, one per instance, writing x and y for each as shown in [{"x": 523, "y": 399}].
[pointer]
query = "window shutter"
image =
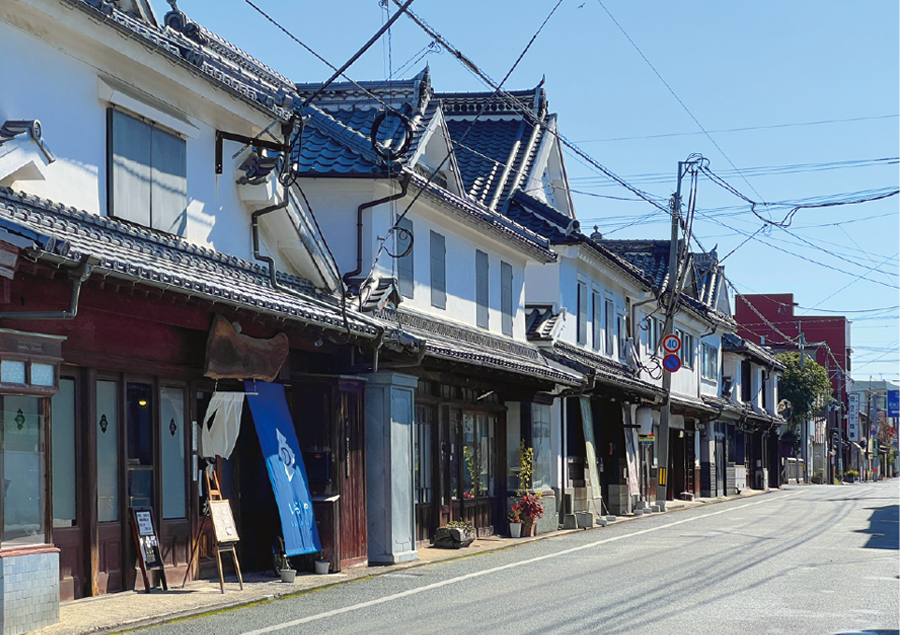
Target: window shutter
[
  {"x": 482, "y": 316},
  {"x": 506, "y": 297},
  {"x": 610, "y": 327},
  {"x": 168, "y": 182},
  {"x": 405, "y": 265},
  {"x": 598, "y": 321},
  {"x": 129, "y": 168},
  {"x": 582, "y": 313},
  {"x": 438, "y": 271}
]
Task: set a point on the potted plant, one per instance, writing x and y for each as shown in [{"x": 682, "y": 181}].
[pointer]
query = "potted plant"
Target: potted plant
[
  {"x": 850, "y": 475},
  {"x": 515, "y": 522},
  {"x": 529, "y": 508}
]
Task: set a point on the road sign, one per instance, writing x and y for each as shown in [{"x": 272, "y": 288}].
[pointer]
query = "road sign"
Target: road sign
[
  {"x": 672, "y": 343},
  {"x": 671, "y": 363}
]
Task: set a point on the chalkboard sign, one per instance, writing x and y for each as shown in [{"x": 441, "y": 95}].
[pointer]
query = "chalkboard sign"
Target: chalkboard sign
[
  {"x": 223, "y": 521},
  {"x": 149, "y": 555}
]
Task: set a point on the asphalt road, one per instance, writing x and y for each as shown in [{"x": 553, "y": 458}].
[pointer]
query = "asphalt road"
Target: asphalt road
[{"x": 809, "y": 559}]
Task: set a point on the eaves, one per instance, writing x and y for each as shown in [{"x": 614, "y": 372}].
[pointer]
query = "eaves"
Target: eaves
[{"x": 185, "y": 57}]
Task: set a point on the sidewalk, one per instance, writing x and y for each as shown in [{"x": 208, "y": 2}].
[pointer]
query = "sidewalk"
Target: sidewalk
[{"x": 129, "y": 610}]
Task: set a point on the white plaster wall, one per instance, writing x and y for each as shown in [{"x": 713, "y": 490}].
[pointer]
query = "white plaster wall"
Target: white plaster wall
[{"x": 58, "y": 56}]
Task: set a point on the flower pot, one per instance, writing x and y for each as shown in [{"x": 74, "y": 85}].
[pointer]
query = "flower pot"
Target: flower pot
[
  {"x": 288, "y": 575},
  {"x": 528, "y": 526},
  {"x": 322, "y": 567},
  {"x": 515, "y": 530}
]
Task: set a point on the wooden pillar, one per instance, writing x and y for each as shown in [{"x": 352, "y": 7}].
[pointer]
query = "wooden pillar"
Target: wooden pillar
[{"x": 88, "y": 494}]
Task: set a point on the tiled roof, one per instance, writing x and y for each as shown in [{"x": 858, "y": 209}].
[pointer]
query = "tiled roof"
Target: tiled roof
[
  {"x": 457, "y": 343},
  {"x": 559, "y": 229},
  {"x": 542, "y": 219},
  {"x": 605, "y": 371},
  {"x": 500, "y": 145},
  {"x": 731, "y": 342},
  {"x": 540, "y": 321},
  {"x": 692, "y": 403},
  {"x": 140, "y": 254},
  {"x": 201, "y": 52},
  {"x": 650, "y": 256}
]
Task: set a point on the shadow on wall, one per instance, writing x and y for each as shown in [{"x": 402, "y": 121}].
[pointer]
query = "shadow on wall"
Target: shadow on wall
[{"x": 883, "y": 530}]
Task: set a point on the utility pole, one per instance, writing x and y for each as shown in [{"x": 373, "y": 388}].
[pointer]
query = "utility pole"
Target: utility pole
[{"x": 662, "y": 447}]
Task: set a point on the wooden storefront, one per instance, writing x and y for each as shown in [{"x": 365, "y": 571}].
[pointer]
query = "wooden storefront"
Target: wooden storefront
[{"x": 459, "y": 457}]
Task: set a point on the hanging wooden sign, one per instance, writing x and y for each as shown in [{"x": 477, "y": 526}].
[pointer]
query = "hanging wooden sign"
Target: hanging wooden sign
[{"x": 149, "y": 554}]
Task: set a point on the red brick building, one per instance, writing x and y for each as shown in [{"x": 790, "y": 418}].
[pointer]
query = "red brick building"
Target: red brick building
[{"x": 769, "y": 319}]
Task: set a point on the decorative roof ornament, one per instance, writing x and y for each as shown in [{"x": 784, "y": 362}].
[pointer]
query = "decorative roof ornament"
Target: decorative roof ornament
[{"x": 178, "y": 21}]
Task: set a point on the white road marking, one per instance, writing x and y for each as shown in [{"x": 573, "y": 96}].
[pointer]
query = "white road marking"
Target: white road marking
[{"x": 478, "y": 574}]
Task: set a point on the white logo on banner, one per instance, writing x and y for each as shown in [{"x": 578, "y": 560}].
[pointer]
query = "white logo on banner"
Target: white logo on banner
[{"x": 285, "y": 454}]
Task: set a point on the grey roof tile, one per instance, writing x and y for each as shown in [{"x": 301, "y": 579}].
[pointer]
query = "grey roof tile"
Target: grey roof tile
[{"x": 144, "y": 255}]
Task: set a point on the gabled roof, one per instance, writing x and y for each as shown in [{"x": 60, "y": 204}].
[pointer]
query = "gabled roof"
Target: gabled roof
[
  {"x": 201, "y": 52},
  {"x": 345, "y": 113},
  {"x": 498, "y": 149},
  {"x": 140, "y": 254},
  {"x": 559, "y": 229},
  {"x": 762, "y": 355},
  {"x": 540, "y": 322},
  {"x": 650, "y": 256}
]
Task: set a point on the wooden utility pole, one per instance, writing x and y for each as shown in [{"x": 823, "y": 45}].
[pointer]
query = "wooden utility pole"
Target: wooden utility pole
[{"x": 662, "y": 443}]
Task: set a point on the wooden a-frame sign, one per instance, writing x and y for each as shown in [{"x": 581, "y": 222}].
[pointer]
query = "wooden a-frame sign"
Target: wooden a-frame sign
[{"x": 149, "y": 554}]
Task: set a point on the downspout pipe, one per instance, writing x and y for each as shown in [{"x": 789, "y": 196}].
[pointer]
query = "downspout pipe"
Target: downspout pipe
[
  {"x": 254, "y": 225},
  {"x": 404, "y": 187},
  {"x": 78, "y": 275}
]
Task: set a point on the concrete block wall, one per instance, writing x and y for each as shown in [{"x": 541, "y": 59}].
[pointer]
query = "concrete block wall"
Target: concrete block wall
[{"x": 29, "y": 591}]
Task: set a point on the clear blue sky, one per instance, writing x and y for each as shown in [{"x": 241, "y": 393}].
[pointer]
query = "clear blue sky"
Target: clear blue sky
[{"x": 777, "y": 68}]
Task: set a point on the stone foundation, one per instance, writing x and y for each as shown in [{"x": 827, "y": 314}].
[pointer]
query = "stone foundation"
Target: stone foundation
[{"x": 29, "y": 589}]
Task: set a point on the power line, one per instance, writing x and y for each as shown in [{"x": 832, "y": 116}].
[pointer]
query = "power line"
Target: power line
[
  {"x": 745, "y": 129},
  {"x": 677, "y": 98},
  {"x": 796, "y": 255}
]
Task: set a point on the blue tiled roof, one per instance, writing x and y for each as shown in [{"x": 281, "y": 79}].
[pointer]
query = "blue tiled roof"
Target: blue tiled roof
[
  {"x": 541, "y": 219},
  {"x": 144, "y": 255},
  {"x": 498, "y": 140},
  {"x": 650, "y": 256}
]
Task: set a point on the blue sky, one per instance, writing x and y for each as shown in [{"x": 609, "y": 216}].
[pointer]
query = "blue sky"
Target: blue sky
[{"x": 780, "y": 69}]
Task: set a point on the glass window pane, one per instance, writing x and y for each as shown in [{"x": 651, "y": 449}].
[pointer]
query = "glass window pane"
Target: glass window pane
[
  {"x": 12, "y": 372},
  {"x": 174, "y": 469},
  {"x": 107, "y": 451},
  {"x": 540, "y": 439},
  {"x": 63, "y": 431},
  {"x": 43, "y": 374},
  {"x": 453, "y": 441},
  {"x": 140, "y": 425},
  {"x": 139, "y": 412},
  {"x": 23, "y": 470},
  {"x": 468, "y": 445}
]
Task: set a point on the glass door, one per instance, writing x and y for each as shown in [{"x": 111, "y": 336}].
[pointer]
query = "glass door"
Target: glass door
[
  {"x": 109, "y": 574},
  {"x": 139, "y": 413}
]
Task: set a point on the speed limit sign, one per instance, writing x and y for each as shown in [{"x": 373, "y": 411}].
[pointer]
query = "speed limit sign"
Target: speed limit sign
[{"x": 672, "y": 343}]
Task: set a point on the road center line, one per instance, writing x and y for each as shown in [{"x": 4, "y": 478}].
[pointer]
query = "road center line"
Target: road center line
[{"x": 477, "y": 574}]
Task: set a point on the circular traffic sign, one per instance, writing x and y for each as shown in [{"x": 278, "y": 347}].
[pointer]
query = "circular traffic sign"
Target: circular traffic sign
[
  {"x": 672, "y": 343},
  {"x": 671, "y": 363}
]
